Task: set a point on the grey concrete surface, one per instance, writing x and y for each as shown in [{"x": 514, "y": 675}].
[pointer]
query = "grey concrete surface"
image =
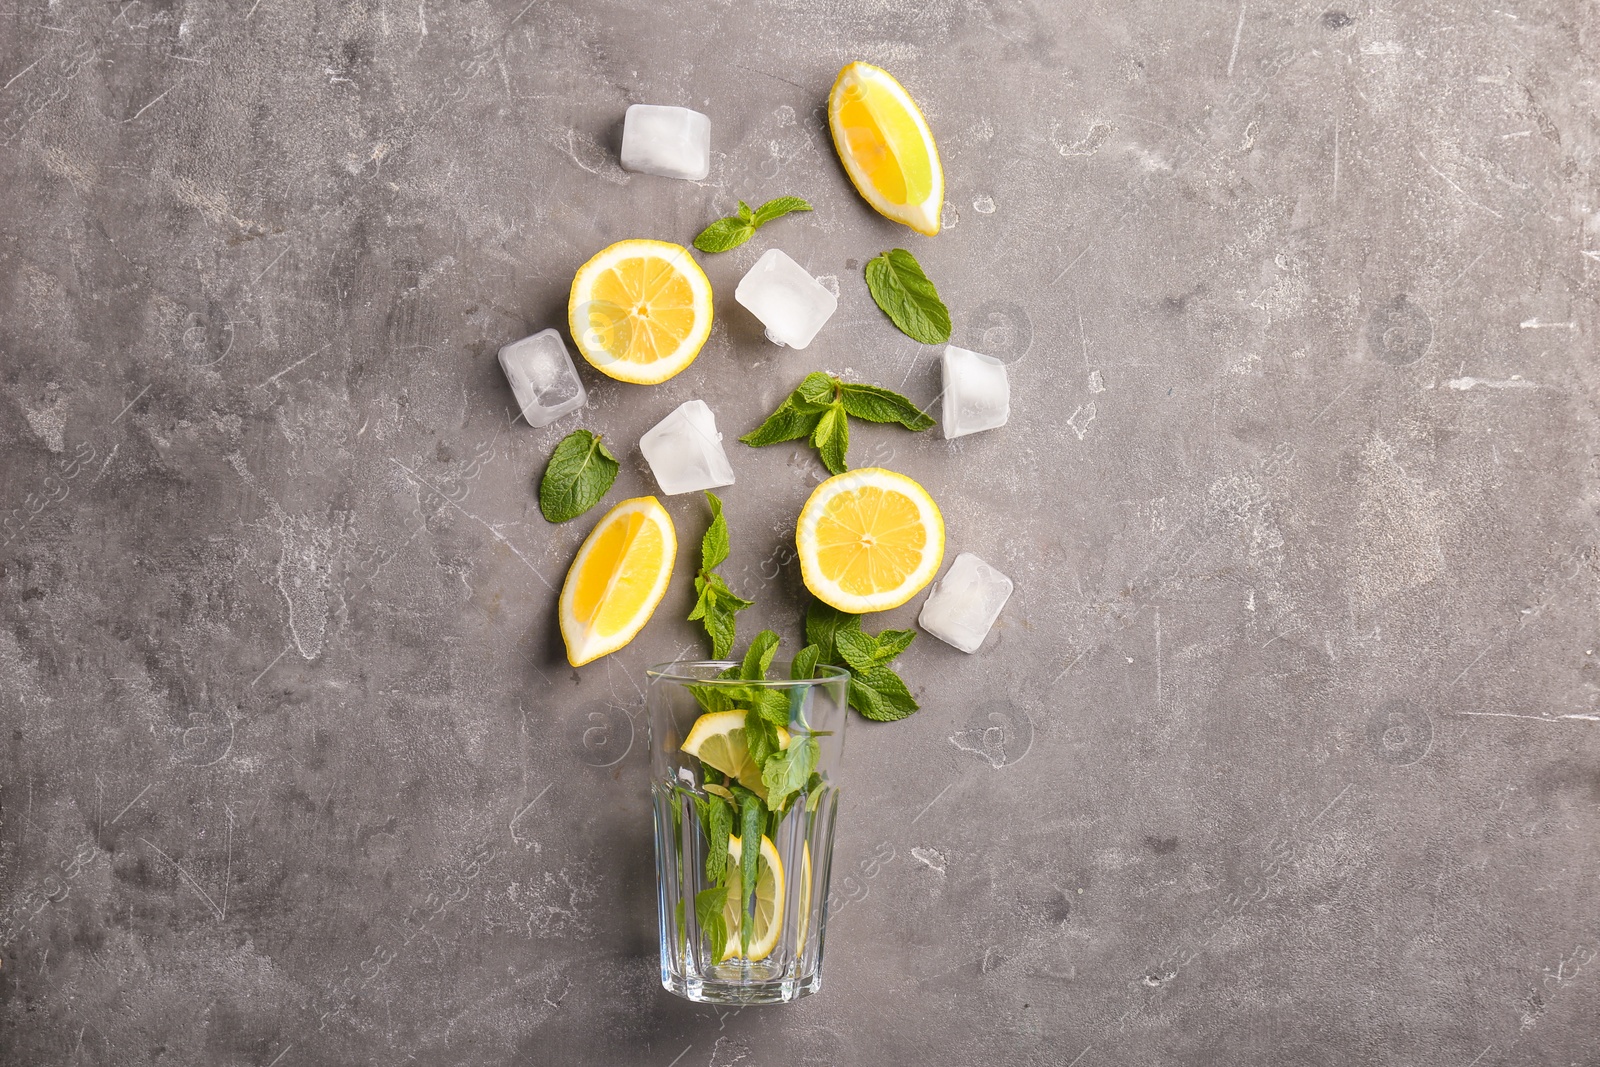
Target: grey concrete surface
[{"x": 1285, "y": 751}]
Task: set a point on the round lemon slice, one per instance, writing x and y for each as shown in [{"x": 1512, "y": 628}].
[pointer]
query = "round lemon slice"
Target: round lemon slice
[
  {"x": 717, "y": 740},
  {"x": 618, "y": 578},
  {"x": 640, "y": 311},
  {"x": 868, "y": 540},
  {"x": 886, "y": 146},
  {"x": 767, "y": 922}
]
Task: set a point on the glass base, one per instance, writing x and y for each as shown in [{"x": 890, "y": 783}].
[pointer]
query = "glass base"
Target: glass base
[{"x": 739, "y": 984}]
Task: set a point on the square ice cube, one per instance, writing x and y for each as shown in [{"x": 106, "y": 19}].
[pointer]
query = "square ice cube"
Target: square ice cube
[
  {"x": 673, "y": 142},
  {"x": 790, "y": 303},
  {"x": 977, "y": 395},
  {"x": 543, "y": 378},
  {"x": 684, "y": 450},
  {"x": 965, "y": 603}
]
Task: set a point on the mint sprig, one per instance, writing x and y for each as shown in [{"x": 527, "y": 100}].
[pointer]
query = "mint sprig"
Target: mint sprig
[
  {"x": 716, "y": 604},
  {"x": 876, "y": 691},
  {"x": 579, "y": 473},
  {"x": 735, "y": 230},
  {"x": 708, "y": 905},
  {"x": 905, "y": 294},
  {"x": 788, "y": 772},
  {"x": 753, "y": 818},
  {"x": 820, "y": 409}
]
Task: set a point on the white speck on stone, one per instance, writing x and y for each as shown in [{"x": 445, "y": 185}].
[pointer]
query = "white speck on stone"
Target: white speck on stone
[{"x": 1081, "y": 419}]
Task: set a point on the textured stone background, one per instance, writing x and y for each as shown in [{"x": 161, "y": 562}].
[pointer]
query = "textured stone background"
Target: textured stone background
[{"x": 1285, "y": 750}]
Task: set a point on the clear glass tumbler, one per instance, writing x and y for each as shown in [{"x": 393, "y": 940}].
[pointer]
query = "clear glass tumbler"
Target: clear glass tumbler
[{"x": 719, "y": 943}]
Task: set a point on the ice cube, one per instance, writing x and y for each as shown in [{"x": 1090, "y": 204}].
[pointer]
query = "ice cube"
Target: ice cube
[
  {"x": 965, "y": 603},
  {"x": 977, "y": 395},
  {"x": 673, "y": 142},
  {"x": 543, "y": 378},
  {"x": 684, "y": 450},
  {"x": 790, "y": 303}
]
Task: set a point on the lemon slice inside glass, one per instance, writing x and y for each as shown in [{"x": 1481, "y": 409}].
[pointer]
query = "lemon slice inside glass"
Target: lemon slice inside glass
[
  {"x": 717, "y": 739},
  {"x": 767, "y": 921}
]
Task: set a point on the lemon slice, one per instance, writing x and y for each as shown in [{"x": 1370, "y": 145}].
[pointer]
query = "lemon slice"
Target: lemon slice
[
  {"x": 640, "y": 310},
  {"x": 868, "y": 540},
  {"x": 617, "y": 580},
  {"x": 805, "y": 901},
  {"x": 767, "y": 923},
  {"x": 717, "y": 740},
  {"x": 886, "y": 146}
]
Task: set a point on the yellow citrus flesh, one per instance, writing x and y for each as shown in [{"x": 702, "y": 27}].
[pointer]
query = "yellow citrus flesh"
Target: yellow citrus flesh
[
  {"x": 717, "y": 739},
  {"x": 767, "y": 922},
  {"x": 868, "y": 540},
  {"x": 640, "y": 311},
  {"x": 886, "y": 146},
  {"x": 618, "y": 578},
  {"x": 805, "y": 900}
]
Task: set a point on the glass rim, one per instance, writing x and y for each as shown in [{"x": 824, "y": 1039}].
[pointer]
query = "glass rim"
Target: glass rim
[{"x": 673, "y": 672}]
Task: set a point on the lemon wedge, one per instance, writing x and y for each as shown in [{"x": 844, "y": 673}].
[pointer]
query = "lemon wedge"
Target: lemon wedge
[
  {"x": 767, "y": 922},
  {"x": 640, "y": 311},
  {"x": 868, "y": 540},
  {"x": 886, "y": 146},
  {"x": 717, "y": 739},
  {"x": 618, "y": 578}
]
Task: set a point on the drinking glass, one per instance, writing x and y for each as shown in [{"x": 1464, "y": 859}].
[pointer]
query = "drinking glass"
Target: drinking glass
[{"x": 786, "y": 915}]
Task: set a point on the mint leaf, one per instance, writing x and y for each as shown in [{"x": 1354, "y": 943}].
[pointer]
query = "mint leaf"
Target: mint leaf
[
  {"x": 905, "y": 294},
  {"x": 889, "y": 698},
  {"x": 715, "y": 604},
  {"x": 893, "y": 642},
  {"x": 724, "y": 234},
  {"x": 735, "y": 230},
  {"x": 818, "y": 389},
  {"x": 787, "y": 423},
  {"x": 820, "y": 407},
  {"x": 856, "y": 649},
  {"x": 831, "y": 439},
  {"x": 708, "y": 906},
  {"x": 864, "y": 699},
  {"x": 881, "y": 405},
  {"x": 714, "y": 609},
  {"x": 788, "y": 772},
  {"x": 863, "y": 652},
  {"x": 711, "y": 697},
  {"x": 714, "y": 545},
  {"x": 759, "y": 656},
  {"x": 718, "y": 826},
  {"x": 761, "y": 736},
  {"x": 823, "y": 624},
  {"x": 579, "y": 473},
  {"x": 749, "y": 853},
  {"x": 777, "y": 209},
  {"x": 876, "y": 691},
  {"x": 804, "y": 665},
  {"x": 772, "y": 705}
]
